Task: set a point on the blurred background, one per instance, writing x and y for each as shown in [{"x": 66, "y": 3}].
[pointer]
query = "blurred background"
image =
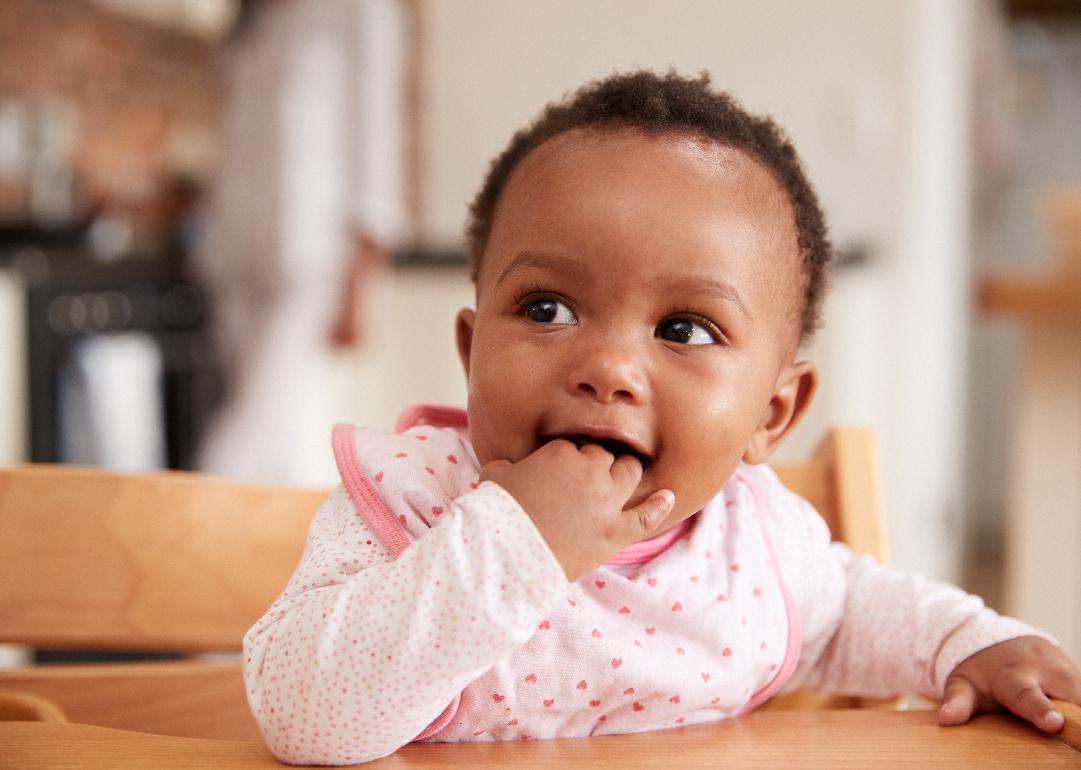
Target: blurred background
[{"x": 226, "y": 225}]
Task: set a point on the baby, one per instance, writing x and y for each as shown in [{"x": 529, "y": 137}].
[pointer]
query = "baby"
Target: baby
[{"x": 599, "y": 548}]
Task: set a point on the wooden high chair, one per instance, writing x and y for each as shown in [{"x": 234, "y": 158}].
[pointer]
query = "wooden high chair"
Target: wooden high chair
[
  {"x": 184, "y": 562},
  {"x": 165, "y": 561}
]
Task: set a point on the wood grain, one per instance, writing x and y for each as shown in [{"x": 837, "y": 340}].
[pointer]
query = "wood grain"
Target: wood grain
[
  {"x": 813, "y": 740},
  {"x": 164, "y": 561},
  {"x": 197, "y": 699},
  {"x": 21, "y": 706},
  {"x": 1071, "y": 732}
]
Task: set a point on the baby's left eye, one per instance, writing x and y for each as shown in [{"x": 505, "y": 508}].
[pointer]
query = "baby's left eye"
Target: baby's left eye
[
  {"x": 686, "y": 332},
  {"x": 550, "y": 311}
]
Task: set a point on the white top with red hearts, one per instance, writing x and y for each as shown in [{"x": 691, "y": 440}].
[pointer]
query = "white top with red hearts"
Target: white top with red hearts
[{"x": 428, "y": 607}]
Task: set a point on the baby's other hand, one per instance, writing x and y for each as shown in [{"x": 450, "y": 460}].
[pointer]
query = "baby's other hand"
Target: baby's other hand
[
  {"x": 1020, "y": 674},
  {"x": 576, "y": 498}
]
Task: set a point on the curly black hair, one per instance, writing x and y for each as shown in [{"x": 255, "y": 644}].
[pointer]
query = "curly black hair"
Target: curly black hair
[{"x": 670, "y": 104}]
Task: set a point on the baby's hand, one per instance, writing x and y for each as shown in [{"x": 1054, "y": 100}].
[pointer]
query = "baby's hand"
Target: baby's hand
[
  {"x": 576, "y": 497},
  {"x": 1019, "y": 674}
]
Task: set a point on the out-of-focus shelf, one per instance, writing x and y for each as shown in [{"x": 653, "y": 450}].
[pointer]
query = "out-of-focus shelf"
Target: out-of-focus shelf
[{"x": 1039, "y": 297}]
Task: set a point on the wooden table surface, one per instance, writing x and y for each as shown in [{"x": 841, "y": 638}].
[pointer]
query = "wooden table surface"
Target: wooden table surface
[{"x": 769, "y": 739}]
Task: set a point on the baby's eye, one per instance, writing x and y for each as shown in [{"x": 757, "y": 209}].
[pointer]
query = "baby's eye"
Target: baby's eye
[
  {"x": 686, "y": 332},
  {"x": 550, "y": 311}
]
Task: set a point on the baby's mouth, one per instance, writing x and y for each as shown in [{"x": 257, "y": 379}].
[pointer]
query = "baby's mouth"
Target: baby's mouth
[{"x": 615, "y": 446}]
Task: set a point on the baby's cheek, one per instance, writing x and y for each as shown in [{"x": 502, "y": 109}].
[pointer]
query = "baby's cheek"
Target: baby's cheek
[{"x": 698, "y": 479}]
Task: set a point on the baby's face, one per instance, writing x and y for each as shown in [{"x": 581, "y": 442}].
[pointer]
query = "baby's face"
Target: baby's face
[{"x": 642, "y": 293}]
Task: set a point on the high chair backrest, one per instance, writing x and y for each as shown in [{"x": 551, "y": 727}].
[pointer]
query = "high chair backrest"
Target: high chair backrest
[
  {"x": 186, "y": 563},
  {"x": 841, "y": 481},
  {"x": 169, "y": 561},
  {"x": 163, "y": 561}
]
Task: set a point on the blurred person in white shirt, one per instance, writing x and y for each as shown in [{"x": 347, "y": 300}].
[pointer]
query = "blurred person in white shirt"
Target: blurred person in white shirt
[{"x": 308, "y": 200}]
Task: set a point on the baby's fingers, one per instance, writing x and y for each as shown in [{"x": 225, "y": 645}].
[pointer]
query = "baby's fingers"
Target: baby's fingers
[
  {"x": 959, "y": 703},
  {"x": 643, "y": 518},
  {"x": 1023, "y": 695},
  {"x": 627, "y": 470}
]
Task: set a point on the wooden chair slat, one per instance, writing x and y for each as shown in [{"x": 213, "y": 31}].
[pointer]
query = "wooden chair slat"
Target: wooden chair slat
[
  {"x": 194, "y": 699},
  {"x": 165, "y": 561}
]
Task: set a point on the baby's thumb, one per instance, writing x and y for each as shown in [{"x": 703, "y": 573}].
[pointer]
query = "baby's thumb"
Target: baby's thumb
[
  {"x": 492, "y": 468},
  {"x": 648, "y": 514},
  {"x": 959, "y": 702}
]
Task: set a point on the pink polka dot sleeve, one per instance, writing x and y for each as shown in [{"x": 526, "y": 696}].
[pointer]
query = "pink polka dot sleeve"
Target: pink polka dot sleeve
[
  {"x": 867, "y": 629},
  {"x": 361, "y": 653}
]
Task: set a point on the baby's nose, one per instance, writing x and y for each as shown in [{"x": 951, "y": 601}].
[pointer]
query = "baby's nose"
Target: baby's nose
[{"x": 610, "y": 373}]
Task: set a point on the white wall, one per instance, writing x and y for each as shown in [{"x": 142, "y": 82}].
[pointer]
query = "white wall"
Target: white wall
[
  {"x": 873, "y": 94},
  {"x": 409, "y": 355}
]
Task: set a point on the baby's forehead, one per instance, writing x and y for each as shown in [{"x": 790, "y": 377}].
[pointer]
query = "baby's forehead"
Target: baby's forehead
[
  {"x": 709, "y": 156},
  {"x": 671, "y": 159},
  {"x": 580, "y": 165}
]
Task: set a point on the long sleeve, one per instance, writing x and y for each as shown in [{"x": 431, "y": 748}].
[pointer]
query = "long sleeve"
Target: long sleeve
[
  {"x": 361, "y": 653},
  {"x": 867, "y": 629}
]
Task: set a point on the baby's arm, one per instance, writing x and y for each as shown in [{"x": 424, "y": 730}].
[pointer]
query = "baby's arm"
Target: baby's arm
[
  {"x": 888, "y": 632},
  {"x": 361, "y": 653},
  {"x": 870, "y": 630}
]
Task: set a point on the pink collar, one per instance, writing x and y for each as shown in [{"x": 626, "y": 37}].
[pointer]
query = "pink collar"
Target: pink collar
[{"x": 645, "y": 550}]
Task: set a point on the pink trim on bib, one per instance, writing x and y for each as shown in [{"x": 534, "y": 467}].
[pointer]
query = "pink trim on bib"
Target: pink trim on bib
[
  {"x": 431, "y": 414},
  {"x": 791, "y": 655},
  {"x": 368, "y": 503},
  {"x": 646, "y": 550}
]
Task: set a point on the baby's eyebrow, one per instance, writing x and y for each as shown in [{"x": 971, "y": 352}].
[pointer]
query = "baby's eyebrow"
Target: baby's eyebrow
[
  {"x": 527, "y": 260},
  {"x": 535, "y": 260},
  {"x": 713, "y": 286}
]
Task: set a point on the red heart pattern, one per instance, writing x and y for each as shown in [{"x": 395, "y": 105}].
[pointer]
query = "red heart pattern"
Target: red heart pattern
[{"x": 616, "y": 638}]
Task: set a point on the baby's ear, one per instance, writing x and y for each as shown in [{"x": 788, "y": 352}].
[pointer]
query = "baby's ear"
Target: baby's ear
[
  {"x": 796, "y": 387},
  {"x": 463, "y": 333}
]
